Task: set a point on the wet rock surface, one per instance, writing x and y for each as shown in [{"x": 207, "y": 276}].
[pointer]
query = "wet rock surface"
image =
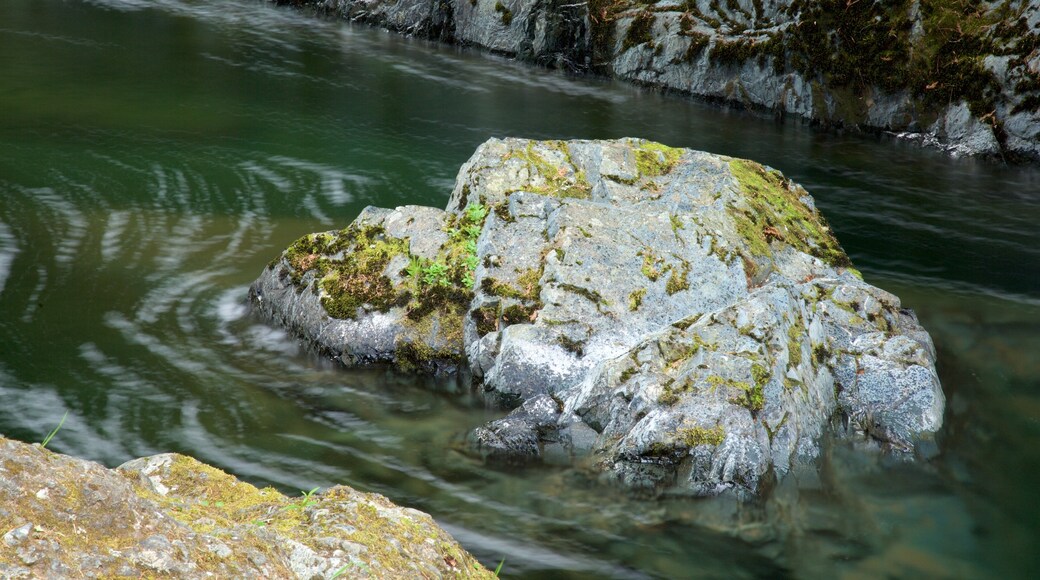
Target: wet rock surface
[
  {"x": 960, "y": 76},
  {"x": 169, "y": 515},
  {"x": 680, "y": 319}
]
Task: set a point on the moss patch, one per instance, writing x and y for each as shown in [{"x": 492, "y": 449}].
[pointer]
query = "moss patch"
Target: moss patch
[
  {"x": 655, "y": 159},
  {"x": 679, "y": 280},
  {"x": 795, "y": 333},
  {"x": 695, "y": 436},
  {"x": 507, "y": 14},
  {"x": 653, "y": 265},
  {"x": 358, "y": 278},
  {"x": 561, "y": 180},
  {"x": 639, "y": 31},
  {"x": 635, "y": 299},
  {"x": 775, "y": 213}
]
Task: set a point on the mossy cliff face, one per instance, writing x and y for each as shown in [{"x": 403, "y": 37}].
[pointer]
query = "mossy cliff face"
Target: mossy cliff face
[
  {"x": 958, "y": 74},
  {"x": 689, "y": 319},
  {"x": 170, "y": 515}
]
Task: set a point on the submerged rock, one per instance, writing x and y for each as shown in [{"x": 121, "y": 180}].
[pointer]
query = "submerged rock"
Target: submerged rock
[
  {"x": 169, "y": 515},
  {"x": 688, "y": 320}
]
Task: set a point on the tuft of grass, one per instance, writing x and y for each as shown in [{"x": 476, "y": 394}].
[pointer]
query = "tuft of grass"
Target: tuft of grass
[{"x": 55, "y": 431}]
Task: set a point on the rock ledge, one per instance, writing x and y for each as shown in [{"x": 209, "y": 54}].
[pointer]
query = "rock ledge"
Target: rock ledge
[{"x": 169, "y": 515}]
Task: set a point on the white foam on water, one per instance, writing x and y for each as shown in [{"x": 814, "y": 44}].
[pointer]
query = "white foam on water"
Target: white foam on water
[
  {"x": 8, "y": 250},
  {"x": 270, "y": 339},
  {"x": 333, "y": 181},
  {"x": 160, "y": 300},
  {"x": 281, "y": 183},
  {"x": 31, "y": 303},
  {"x": 111, "y": 241},
  {"x": 312, "y": 206},
  {"x": 413, "y": 69},
  {"x": 231, "y": 306},
  {"x": 180, "y": 243},
  {"x": 73, "y": 223},
  {"x": 196, "y": 362}
]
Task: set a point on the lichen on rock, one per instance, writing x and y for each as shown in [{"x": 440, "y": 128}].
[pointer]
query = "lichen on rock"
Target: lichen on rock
[
  {"x": 170, "y": 515},
  {"x": 689, "y": 319}
]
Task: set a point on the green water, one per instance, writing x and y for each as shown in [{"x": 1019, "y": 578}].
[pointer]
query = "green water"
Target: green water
[{"x": 156, "y": 154}]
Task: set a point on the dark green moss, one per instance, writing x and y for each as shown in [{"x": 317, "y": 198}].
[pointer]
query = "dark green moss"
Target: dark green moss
[
  {"x": 590, "y": 295},
  {"x": 670, "y": 391},
  {"x": 486, "y": 318},
  {"x": 358, "y": 278},
  {"x": 679, "y": 280},
  {"x": 507, "y": 14},
  {"x": 686, "y": 322},
  {"x": 417, "y": 356},
  {"x": 628, "y": 374},
  {"x": 698, "y": 42},
  {"x": 820, "y": 355},
  {"x": 436, "y": 298},
  {"x": 529, "y": 287},
  {"x": 639, "y": 32},
  {"x": 577, "y": 347},
  {"x": 519, "y": 314}
]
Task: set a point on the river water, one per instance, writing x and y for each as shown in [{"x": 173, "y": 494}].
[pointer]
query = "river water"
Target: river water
[{"x": 156, "y": 154}]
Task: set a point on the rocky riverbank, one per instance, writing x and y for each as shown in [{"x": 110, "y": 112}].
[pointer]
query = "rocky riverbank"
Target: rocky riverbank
[
  {"x": 961, "y": 76},
  {"x": 687, "y": 320},
  {"x": 169, "y": 515}
]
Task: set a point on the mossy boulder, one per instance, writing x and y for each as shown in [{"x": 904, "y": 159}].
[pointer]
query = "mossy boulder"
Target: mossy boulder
[
  {"x": 689, "y": 318},
  {"x": 172, "y": 516}
]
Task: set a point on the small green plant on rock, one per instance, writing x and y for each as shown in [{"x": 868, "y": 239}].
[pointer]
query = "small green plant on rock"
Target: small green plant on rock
[{"x": 305, "y": 500}]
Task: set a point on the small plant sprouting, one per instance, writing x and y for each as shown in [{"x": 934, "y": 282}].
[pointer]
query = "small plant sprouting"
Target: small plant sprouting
[
  {"x": 342, "y": 569},
  {"x": 499, "y": 567},
  {"x": 436, "y": 274},
  {"x": 304, "y": 501},
  {"x": 55, "y": 431},
  {"x": 476, "y": 213}
]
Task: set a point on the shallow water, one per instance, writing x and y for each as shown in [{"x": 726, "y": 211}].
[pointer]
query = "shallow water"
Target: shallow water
[{"x": 156, "y": 154}]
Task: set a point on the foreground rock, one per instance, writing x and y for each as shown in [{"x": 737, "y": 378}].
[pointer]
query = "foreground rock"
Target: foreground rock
[
  {"x": 169, "y": 515},
  {"x": 687, "y": 319},
  {"x": 960, "y": 75}
]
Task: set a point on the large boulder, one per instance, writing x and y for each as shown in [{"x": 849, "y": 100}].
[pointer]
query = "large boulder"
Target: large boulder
[
  {"x": 169, "y": 515},
  {"x": 687, "y": 319}
]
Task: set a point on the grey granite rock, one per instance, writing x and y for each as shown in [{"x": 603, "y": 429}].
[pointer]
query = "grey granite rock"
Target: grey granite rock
[{"x": 688, "y": 318}]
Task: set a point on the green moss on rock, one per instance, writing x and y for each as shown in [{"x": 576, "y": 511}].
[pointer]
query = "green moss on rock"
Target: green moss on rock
[
  {"x": 357, "y": 279},
  {"x": 655, "y": 159},
  {"x": 639, "y": 31},
  {"x": 772, "y": 211},
  {"x": 695, "y": 436},
  {"x": 562, "y": 180}
]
